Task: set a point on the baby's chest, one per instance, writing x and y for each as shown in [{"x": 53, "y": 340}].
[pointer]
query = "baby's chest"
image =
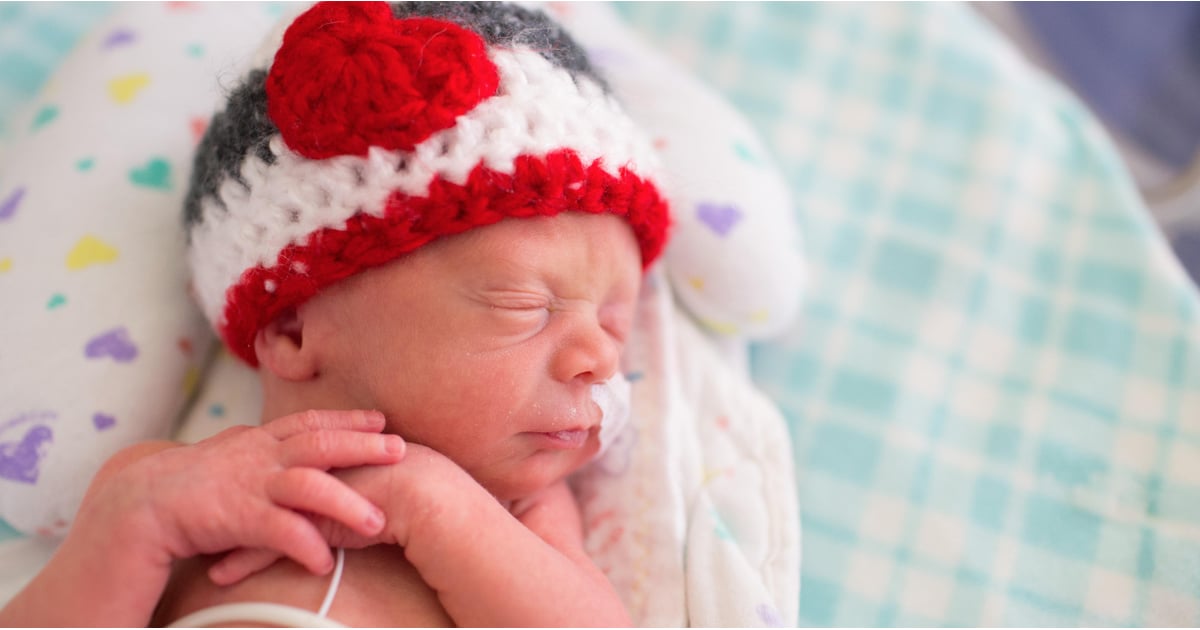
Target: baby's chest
[{"x": 378, "y": 588}]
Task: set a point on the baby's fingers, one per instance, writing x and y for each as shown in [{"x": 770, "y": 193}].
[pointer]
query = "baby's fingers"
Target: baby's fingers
[
  {"x": 341, "y": 449},
  {"x": 325, "y": 419},
  {"x": 241, "y": 564},
  {"x": 314, "y": 491}
]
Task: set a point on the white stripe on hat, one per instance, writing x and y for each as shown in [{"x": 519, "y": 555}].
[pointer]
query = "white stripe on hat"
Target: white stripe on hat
[{"x": 539, "y": 108}]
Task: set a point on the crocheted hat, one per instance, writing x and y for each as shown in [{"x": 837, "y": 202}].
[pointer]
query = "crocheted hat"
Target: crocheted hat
[{"x": 378, "y": 128}]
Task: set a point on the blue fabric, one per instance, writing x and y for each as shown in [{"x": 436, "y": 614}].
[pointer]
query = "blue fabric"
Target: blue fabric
[
  {"x": 34, "y": 38},
  {"x": 1137, "y": 63}
]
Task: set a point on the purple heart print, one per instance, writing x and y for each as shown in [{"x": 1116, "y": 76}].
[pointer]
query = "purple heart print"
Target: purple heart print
[
  {"x": 114, "y": 343},
  {"x": 721, "y": 218}
]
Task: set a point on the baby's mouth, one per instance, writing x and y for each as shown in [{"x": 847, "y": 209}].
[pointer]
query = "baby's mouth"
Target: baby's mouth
[{"x": 568, "y": 439}]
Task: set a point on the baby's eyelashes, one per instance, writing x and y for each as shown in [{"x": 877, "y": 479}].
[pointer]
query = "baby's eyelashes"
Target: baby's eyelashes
[
  {"x": 521, "y": 303},
  {"x": 510, "y": 299},
  {"x": 512, "y": 315},
  {"x": 528, "y": 310}
]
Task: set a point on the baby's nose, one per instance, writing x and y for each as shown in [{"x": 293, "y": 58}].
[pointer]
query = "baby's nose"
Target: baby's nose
[{"x": 590, "y": 355}]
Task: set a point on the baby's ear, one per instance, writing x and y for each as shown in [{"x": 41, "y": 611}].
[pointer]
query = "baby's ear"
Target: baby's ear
[{"x": 280, "y": 348}]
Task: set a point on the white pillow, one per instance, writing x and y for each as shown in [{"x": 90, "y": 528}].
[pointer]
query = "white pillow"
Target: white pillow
[
  {"x": 735, "y": 258},
  {"x": 100, "y": 346}
]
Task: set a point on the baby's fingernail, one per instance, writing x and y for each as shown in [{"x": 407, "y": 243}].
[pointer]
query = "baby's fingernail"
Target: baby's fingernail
[
  {"x": 375, "y": 520},
  {"x": 393, "y": 444},
  {"x": 216, "y": 573}
]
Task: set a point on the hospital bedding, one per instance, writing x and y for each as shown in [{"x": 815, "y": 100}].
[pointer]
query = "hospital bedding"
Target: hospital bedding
[{"x": 993, "y": 389}]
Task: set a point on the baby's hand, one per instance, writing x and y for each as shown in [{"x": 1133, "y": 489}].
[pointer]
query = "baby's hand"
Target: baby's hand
[
  {"x": 410, "y": 492},
  {"x": 247, "y": 488}
]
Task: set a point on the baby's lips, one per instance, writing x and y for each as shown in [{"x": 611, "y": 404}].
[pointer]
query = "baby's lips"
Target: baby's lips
[{"x": 573, "y": 438}]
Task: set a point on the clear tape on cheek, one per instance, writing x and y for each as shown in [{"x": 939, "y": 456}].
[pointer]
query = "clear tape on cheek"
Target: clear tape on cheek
[{"x": 613, "y": 398}]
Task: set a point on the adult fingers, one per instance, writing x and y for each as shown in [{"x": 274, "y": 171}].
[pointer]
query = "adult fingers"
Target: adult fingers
[
  {"x": 318, "y": 419},
  {"x": 292, "y": 535},
  {"x": 240, "y": 564},
  {"x": 341, "y": 449},
  {"x": 318, "y": 492}
]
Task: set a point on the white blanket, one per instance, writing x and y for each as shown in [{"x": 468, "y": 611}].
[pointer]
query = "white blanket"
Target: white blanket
[{"x": 692, "y": 513}]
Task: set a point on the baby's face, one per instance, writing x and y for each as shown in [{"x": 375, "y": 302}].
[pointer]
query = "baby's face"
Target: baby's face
[{"x": 484, "y": 346}]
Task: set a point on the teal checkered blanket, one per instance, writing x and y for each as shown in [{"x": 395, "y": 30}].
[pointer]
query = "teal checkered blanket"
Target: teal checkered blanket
[
  {"x": 994, "y": 390},
  {"x": 994, "y": 387},
  {"x": 34, "y": 37}
]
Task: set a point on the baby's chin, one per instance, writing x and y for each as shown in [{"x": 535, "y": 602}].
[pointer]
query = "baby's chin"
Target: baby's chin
[{"x": 537, "y": 473}]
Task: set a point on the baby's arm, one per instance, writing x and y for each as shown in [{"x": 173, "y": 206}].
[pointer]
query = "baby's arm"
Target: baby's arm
[
  {"x": 158, "y": 502},
  {"x": 488, "y": 568},
  {"x": 491, "y": 569},
  {"x": 555, "y": 517}
]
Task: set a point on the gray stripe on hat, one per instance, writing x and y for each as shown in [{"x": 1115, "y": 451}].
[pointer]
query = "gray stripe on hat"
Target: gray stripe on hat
[
  {"x": 509, "y": 25},
  {"x": 242, "y": 129}
]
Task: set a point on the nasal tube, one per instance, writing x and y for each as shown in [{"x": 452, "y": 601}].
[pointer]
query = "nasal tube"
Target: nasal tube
[{"x": 612, "y": 396}]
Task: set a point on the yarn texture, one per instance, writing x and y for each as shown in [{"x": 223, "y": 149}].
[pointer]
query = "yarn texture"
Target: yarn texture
[
  {"x": 350, "y": 76},
  {"x": 377, "y": 129}
]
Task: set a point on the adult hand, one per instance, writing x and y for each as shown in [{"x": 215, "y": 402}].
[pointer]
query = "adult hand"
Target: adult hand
[{"x": 249, "y": 487}]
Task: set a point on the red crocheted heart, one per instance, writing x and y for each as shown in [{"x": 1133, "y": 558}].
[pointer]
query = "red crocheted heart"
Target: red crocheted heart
[{"x": 349, "y": 75}]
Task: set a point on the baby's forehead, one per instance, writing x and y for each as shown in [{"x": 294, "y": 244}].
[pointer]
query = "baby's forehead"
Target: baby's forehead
[
  {"x": 563, "y": 247},
  {"x": 570, "y": 232}
]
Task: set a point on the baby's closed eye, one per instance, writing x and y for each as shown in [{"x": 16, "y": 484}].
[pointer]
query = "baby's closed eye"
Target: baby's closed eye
[
  {"x": 516, "y": 300},
  {"x": 512, "y": 314},
  {"x": 523, "y": 311}
]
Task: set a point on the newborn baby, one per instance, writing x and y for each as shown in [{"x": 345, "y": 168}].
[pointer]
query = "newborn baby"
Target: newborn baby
[{"x": 482, "y": 351}]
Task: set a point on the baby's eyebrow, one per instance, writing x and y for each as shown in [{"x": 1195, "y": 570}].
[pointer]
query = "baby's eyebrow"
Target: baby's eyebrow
[
  {"x": 512, "y": 269},
  {"x": 507, "y": 276}
]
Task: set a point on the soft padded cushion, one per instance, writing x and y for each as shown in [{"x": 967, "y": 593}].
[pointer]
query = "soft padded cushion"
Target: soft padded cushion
[
  {"x": 735, "y": 255},
  {"x": 105, "y": 348},
  {"x": 100, "y": 344}
]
